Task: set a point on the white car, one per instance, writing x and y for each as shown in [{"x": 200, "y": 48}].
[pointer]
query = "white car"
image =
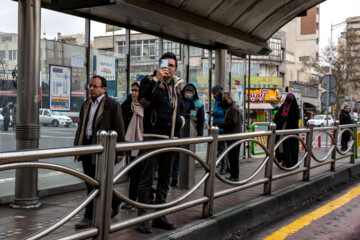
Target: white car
[
  {"x": 320, "y": 121},
  {"x": 55, "y": 118}
]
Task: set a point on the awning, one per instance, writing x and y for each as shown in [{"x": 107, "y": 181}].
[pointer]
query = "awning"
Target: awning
[{"x": 265, "y": 106}]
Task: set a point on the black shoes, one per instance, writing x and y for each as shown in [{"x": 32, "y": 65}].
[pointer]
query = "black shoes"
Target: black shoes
[
  {"x": 144, "y": 227},
  {"x": 222, "y": 171},
  {"x": 83, "y": 223},
  {"x": 163, "y": 223},
  {"x": 174, "y": 182},
  {"x": 128, "y": 207},
  {"x": 232, "y": 179}
]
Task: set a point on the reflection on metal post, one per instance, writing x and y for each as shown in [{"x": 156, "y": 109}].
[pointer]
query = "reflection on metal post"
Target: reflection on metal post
[
  {"x": 307, "y": 163},
  {"x": 128, "y": 62},
  {"x": 210, "y": 182},
  {"x": 353, "y": 159},
  {"x": 27, "y": 127},
  {"x": 333, "y": 155},
  {"x": 269, "y": 164},
  {"x": 87, "y": 49},
  {"x": 100, "y": 205},
  {"x": 186, "y": 163}
]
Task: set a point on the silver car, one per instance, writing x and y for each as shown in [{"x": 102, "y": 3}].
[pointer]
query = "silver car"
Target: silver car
[{"x": 55, "y": 118}]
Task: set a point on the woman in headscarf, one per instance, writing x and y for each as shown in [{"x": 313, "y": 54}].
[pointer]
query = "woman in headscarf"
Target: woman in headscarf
[{"x": 287, "y": 118}]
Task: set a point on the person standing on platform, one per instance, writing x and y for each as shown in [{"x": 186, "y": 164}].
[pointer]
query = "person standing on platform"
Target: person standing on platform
[
  {"x": 133, "y": 114},
  {"x": 164, "y": 113},
  {"x": 345, "y": 118},
  {"x": 99, "y": 112},
  {"x": 194, "y": 109},
  {"x": 218, "y": 114},
  {"x": 231, "y": 124},
  {"x": 287, "y": 118}
]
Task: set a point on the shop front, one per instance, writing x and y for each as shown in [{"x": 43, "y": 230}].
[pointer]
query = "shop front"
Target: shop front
[{"x": 262, "y": 102}]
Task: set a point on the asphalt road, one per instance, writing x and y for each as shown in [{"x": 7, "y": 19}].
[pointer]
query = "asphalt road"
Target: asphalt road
[{"x": 330, "y": 216}]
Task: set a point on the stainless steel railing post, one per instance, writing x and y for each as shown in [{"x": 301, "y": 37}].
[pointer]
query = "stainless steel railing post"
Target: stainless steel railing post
[
  {"x": 111, "y": 151},
  {"x": 100, "y": 175},
  {"x": 270, "y": 162},
  {"x": 208, "y": 207},
  {"x": 307, "y": 163},
  {"x": 353, "y": 159},
  {"x": 333, "y": 155}
]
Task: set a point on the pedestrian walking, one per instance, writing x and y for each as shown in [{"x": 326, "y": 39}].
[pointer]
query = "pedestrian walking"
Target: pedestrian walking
[
  {"x": 194, "y": 110},
  {"x": 231, "y": 124},
  {"x": 345, "y": 118},
  {"x": 218, "y": 115},
  {"x": 164, "y": 113},
  {"x": 287, "y": 118},
  {"x": 6, "y": 115},
  {"x": 99, "y": 112}
]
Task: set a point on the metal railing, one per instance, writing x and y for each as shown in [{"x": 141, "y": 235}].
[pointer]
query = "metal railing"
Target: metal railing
[{"x": 104, "y": 180}]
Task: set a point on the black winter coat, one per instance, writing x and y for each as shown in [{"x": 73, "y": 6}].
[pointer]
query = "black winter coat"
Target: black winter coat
[{"x": 161, "y": 118}]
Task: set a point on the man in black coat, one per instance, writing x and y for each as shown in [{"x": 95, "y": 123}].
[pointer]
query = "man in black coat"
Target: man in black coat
[
  {"x": 345, "y": 118},
  {"x": 99, "y": 112},
  {"x": 164, "y": 116},
  {"x": 231, "y": 124}
]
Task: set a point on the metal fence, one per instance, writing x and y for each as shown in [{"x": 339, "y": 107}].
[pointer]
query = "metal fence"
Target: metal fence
[{"x": 105, "y": 179}]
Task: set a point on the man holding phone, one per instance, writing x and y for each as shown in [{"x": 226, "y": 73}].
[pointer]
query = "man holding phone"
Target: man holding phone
[{"x": 164, "y": 116}]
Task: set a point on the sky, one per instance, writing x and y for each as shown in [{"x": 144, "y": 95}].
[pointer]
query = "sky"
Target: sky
[{"x": 331, "y": 12}]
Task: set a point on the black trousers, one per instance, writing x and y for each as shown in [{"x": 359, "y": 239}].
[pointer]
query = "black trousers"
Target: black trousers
[
  {"x": 134, "y": 179},
  {"x": 234, "y": 160},
  {"x": 89, "y": 169},
  {"x": 345, "y": 138},
  {"x": 163, "y": 163}
]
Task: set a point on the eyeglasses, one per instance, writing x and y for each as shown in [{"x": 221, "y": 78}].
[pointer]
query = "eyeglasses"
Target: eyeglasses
[
  {"x": 171, "y": 65},
  {"x": 93, "y": 85}
]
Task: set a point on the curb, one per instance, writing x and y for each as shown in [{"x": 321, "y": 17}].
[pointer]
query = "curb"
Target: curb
[{"x": 263, "y": 209}]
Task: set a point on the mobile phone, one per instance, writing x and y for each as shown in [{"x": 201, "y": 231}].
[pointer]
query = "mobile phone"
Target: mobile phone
[{"x": 164, "y": 63}]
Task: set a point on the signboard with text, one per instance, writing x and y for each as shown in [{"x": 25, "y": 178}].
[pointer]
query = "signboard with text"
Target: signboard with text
[
  {"x": 264, "y": 95},
  {"x": 107, "y": 67},
  {"x": 60, "y": 87}
]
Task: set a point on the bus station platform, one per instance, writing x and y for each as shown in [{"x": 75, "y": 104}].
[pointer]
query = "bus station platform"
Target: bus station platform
[{"x": 237, "y": 212}]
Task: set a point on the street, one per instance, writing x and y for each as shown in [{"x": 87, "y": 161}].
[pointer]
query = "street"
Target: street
[{"x": 332, "y": 215}]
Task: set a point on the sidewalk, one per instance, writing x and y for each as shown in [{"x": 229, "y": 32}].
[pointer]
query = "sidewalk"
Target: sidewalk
[{"x": 19, "y": 224}]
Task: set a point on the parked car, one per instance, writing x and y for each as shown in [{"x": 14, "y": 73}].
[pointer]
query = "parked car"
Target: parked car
[
  {"x": 55, "y": 118},
  {"x": 320, "y": 121}
]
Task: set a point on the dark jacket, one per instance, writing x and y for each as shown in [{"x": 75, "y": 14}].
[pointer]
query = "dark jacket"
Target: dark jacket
[
  {"x": 198, "y": 108},
  {"x": 161, "y": 118},
  {"x": 232, "y": 120},
  {"x": 108, "y": 117},
  {"x": 345, "y": 118},
  {"x": 127, "y": 111}
]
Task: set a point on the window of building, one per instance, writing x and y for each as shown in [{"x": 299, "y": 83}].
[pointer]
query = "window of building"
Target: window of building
[
  {"x": 121, "y": 47},
  {"x": 141, "y": 49},
  {"x": 194, "y": 51},
  {"x": 304, "y": 59},
  {"x": 12, "y": 54},
  {"x": 173, "y": 47},
  {"x": 2, "y": 55},
  {"x": 7, "y": 38}
]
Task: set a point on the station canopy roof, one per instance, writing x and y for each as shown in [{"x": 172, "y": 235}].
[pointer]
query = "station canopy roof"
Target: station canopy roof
[{"x": 243, "y": 26}]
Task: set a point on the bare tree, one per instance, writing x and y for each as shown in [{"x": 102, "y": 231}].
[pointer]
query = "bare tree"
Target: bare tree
[{"x": 345, "y": 66}]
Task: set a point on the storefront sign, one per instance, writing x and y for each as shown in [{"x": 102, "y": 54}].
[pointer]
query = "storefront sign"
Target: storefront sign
[
  {"x": 60, "y": 88},
  {"x": 105, "y": 67},
  {"x": 264, "y": 95}
]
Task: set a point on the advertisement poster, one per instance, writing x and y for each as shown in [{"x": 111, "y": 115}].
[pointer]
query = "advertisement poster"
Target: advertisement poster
[
  {"x": 107, "y": 67},
  {"x": 60, "y": 87}
]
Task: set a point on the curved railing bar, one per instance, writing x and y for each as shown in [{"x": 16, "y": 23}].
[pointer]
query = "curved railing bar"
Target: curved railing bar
[
  {"x": 240, "y": 136},
  {"x": 67, "y": 217},
  {"x": 238, "y": 183},
  {"x": 51, "y": 152},
  {"x": 164, "y": 205},
  {"x": 51, "y": 166},
  {"x": 127, "y": 146},
  {"x": 158, "y": 151},
  {"x": 228, "y": 149},
  {"x": 345, "y": 129},
  {"x": 299, "y": 162},
  {"x": 326, "y": 156},
  {"x": 292, "y": 131}
]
